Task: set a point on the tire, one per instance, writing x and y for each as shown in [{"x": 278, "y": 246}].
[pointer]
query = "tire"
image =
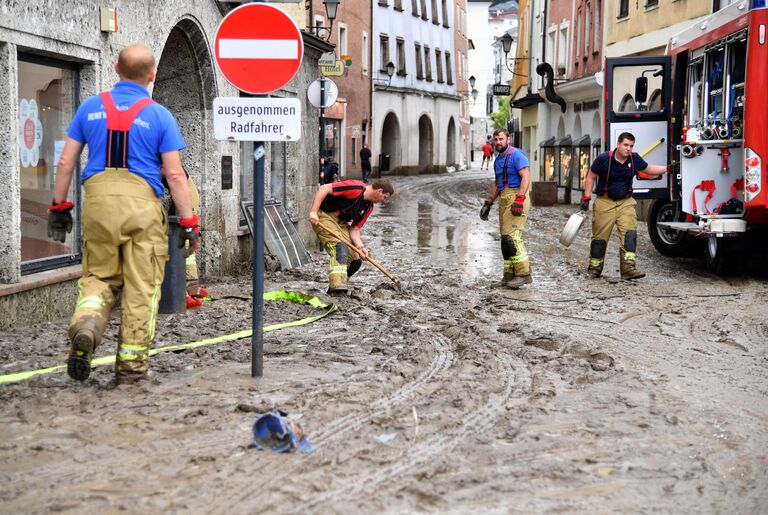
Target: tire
[
  {"x": 724, "y": 256},
  {"x": 667, "y": 241}
]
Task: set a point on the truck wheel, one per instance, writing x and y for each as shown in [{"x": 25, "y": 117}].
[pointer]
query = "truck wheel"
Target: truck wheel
[
  {"x": 714, "y": 256},
  {"x": 667, "y": 241}
]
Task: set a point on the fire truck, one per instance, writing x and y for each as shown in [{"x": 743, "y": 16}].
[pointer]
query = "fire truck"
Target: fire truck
[{"x": 704, "y": 104}]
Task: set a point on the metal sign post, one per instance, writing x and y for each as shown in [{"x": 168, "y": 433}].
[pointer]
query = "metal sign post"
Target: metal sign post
[
  {"x": 257, "y": 338},
  {"x": 258, "y": 49}
]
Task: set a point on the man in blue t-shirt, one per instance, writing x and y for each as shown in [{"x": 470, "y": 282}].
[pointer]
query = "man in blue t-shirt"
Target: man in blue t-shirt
[
  {"x": 125, "y": 234},
  {"x": 513, "y": 177},
  {"x": 614, "y": 205}
]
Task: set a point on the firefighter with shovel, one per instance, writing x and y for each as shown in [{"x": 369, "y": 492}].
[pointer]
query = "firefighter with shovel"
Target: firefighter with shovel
[
  {"x": 338, "y": 214},
  {"x": 614, "y": 205}
]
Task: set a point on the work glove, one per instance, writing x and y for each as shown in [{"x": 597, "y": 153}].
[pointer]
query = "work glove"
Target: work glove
[
  {"x": 189, "y": 236},
  {"x": 585, "y": 202},
  {"x": 518, "y": 205},
  {"x": 673, "y": 167},
  {"x": 59, "y": 220},
  {"x": 485, "y": 210}
]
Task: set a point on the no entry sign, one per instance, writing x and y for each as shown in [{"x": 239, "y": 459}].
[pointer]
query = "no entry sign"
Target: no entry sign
[{"x": 258, "y": 48}]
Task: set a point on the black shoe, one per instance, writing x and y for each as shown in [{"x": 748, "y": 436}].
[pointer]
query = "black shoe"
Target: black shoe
[{"x": 79, "y": 362}]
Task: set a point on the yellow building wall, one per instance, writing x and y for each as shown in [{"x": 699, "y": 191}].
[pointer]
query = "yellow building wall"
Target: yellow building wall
[
  {"x": 520, "y": 80},
  {"x": 642, "y": 21}
]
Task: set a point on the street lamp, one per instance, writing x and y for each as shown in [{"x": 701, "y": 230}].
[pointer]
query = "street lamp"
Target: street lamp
[
  {"x": 506, "y": 43},
  {"x": 472, "y": 81},
  {"x": 331, "y": 6},
  {"x": 474, "y": 95}
]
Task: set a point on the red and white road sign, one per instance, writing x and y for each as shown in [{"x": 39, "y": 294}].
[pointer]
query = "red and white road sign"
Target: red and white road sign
[{"x": 258, "y": 48}]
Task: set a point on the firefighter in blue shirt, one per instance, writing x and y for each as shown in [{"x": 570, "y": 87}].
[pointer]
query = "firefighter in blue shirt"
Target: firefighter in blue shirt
[
  {"x": 513, "y": 177},
  {"x": 125, "y": 232}
]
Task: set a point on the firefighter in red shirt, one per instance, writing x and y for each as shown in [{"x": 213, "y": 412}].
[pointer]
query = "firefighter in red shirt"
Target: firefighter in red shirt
[{"x": 344, "y": 207}]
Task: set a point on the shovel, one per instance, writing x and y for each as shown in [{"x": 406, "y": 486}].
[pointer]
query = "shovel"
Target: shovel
[{"x": 369, "y": 259}]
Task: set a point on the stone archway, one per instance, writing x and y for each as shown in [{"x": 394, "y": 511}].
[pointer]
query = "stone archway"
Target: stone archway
[
  {"x": 450, "y": 154},
  {"x": 390, "y": 140},
  {"x": 426, "y": 144},
  {"x": 186, "y": 84}
]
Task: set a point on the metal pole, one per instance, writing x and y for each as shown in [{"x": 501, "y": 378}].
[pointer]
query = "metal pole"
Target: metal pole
[
  {"x": 257, "y": 339},
  {"x": 322, "y": 126}
]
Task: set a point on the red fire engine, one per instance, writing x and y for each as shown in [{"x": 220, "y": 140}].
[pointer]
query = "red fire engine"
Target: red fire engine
[{"x": 704, "y": 104}]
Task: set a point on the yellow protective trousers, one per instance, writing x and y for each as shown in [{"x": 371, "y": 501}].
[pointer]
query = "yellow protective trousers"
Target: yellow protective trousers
[
  {"x": 125, "y": 247},
  {"x": 608, "y": 213},
  {"x": 337, "y": 272},
  {"x": 514, "y": 226}
]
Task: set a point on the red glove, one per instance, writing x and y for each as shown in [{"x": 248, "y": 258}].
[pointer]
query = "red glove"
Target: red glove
[
  {"x": 189, "y": 233},
  {"x": 585, "y": 202},
  {"x": 518, "y": 205},
  {"x": 59, "y": 220}
]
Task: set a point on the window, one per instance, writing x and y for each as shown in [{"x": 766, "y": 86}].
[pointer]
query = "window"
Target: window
[
  {"x": 354, "y": 150},
  {"x": 419, "y": 62},
  {"x": 428, "y": 63},
  {"x": 627, "y": 98},
  {"x": 458, "y": 20},
  {"x": 383, "y": 52},
  {"x": 415, "y": 7},
  {"x": 435, "y": 14},
  {"x": 448, "y": 68},
  {"x": 577, "y": 48},
  {"x": 459, "y": 65},
  {"x": 439, "y": 63},
  {"x": 47, "y": 98},
  {"x": 587, "y": 19},
  {"x": 445, "y": 14},
  {"x": 400, "y": 56},
  {"x": 398, "y": 5},
  {"x": 423, "y": 9},
  {"x": 562, "y": 52},
  {"x": 384, "y": 3},
  {"x": 364, "y": 57},
  {"x": 598, "y": 29},
  {"x": 623, "y": 8},
  {"x": 342, "y": 39},
  {"x": 651, "y": 3}
]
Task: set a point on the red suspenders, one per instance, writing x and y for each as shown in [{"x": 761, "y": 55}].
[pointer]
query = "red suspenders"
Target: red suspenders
[{"x": 119, "y": 123}]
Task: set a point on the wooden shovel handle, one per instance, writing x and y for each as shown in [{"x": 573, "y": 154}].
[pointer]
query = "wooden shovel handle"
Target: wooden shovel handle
[{"x": 349, "y": 244}]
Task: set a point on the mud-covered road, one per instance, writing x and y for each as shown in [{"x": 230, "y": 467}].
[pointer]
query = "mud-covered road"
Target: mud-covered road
[{"x": 453, "y": 396}]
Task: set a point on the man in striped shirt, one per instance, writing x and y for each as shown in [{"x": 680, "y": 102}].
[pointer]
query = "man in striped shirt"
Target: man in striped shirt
[{"x": 343, "y": 207}]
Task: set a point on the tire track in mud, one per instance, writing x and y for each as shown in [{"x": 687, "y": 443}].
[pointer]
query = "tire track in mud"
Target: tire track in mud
[
  {"x": 343, "y": 426},
  {"x": 515, "y": 380},
  {"x": 63, "y": 471}
]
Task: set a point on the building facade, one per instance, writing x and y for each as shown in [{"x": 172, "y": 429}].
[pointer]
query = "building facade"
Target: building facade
[
  {"x": 53, "y": 58},
  {"x": 347, "y": 123},
  {"x": 416, "y": 111}
]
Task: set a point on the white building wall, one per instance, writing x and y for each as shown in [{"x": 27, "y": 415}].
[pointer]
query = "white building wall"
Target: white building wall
[
  {"x": 481, "y": 58},
  {"x": 408, "y": 97}
]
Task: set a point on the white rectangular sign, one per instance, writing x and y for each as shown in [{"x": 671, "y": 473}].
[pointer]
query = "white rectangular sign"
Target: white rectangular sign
[{"x": 257, "y": 119}]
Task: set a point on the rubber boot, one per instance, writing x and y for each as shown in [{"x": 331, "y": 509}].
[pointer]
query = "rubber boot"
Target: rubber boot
[
  {"x": 509, "y": 274},
  {"x": 629, "y": 271},
  {"x": 595, "y": 271},
  {"x": 79, "y": 362},
  {"x": 520, "y": 281},
  {"x": 337, "y": 283}
]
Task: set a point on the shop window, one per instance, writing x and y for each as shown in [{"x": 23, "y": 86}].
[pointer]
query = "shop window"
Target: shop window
[
  {"x": 582, "y": 151},
  {"x": 564, "y": 169},
  {"x": 47, "y": 97},
  {"x": 548, "y": 163}
]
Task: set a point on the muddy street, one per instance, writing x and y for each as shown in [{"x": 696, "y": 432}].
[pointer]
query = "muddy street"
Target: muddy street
[{"x": 453, "y": 395}]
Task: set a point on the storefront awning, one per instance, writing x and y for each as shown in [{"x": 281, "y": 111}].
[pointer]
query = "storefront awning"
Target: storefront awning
[
  {"x": 548, "y": 143},
  {"x": 582, "y": 142},
  {"x": 597, "y": 143},
  {"x": 565, "y": 142}
]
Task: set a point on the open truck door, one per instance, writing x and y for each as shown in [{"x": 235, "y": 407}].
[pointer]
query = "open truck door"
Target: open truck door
[{"x": 638, "y": 92}]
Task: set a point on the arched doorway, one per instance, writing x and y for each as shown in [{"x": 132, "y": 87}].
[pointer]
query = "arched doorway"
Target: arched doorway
[
  {"x": 450, "y": 156},
  {"x": 426, "y": 144},
  {"x": 185, "y": 84},
  {"x": 390, "y": 140}
]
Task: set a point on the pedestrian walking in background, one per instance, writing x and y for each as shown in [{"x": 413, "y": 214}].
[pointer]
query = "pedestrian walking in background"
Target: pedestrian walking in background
[
  {"x": 512, "y": 179},
  {"x": 365, "y": 162},
  {"x": 125, "y": 231},
  {"x": 614, "y": 205},
  {"x": 344, "y": 207},
  {"x": 487, "y": 153}
]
